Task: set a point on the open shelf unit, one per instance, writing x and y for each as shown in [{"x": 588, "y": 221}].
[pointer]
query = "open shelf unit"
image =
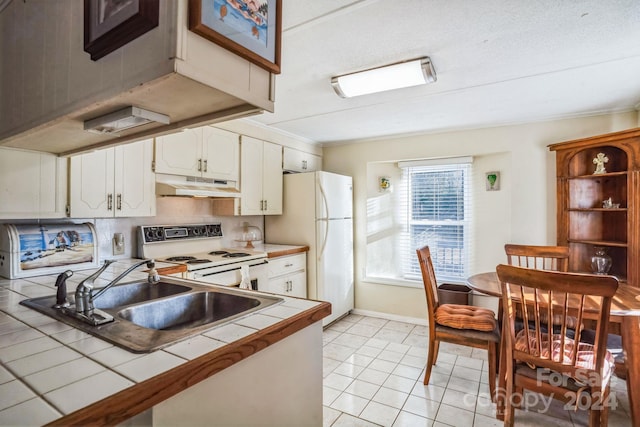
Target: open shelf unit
[{"x": 583, "y": 221}]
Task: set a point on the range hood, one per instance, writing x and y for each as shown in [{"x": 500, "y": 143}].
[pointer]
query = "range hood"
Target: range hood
[{"x": 187, "y": 186}]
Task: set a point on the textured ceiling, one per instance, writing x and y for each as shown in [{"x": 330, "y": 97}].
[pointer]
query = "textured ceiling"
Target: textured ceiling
[{"x": 497, "y": 62}]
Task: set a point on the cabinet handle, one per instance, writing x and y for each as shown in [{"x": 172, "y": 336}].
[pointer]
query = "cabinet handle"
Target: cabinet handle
[
  {"x": 304, "y": 165},
  {"x": 265, "y": 205},
  {"x": 109, "y": 201},
  {"x": 205, "y": 165},
  {"x": 199, "y": 165},
  {"x": 288, "y": 265},
  {"x": 119, "y": 201}
]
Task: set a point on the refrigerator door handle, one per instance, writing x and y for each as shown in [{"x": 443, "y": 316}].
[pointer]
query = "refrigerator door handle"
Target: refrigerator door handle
[
  {"x": 324, "y": 239},
  {"x": 324, "y": 198}
]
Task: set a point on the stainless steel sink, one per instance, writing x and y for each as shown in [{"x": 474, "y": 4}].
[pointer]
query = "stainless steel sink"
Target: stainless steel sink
[
  {"x": 132, "y": 293},
  {"x": 189, "y": 311},
  {"x": 151, "y": 316}
]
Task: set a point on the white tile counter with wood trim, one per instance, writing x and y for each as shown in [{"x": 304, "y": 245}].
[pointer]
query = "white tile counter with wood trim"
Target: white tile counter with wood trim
[{"x": 51, "y": 372}]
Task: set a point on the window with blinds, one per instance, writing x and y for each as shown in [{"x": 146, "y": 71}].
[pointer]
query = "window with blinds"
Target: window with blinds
[
  {"x": 437, "y": 212},
  {"x": 430, "y": 205}
]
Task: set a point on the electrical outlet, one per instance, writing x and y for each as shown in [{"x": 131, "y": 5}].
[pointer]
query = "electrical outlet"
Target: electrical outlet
[{"x": 118, "y": 243}]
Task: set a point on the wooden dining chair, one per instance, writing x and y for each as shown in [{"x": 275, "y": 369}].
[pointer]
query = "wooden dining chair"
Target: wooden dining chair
[
  {"x": 457, "y": 324},
  {"x": 555, "y": 258},
  {"x": 551, "y": 363}
]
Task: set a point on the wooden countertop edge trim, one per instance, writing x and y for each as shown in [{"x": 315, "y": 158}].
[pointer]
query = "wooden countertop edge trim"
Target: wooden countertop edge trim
[
  {"x": 138, "y": 398},
  {"x": 276, "y": 254},
  {"x": 172, "y": 270}
]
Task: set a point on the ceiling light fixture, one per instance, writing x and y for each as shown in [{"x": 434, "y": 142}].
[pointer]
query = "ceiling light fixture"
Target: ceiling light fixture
[
  {"x": 123, "y": 119},
  {"x": 403, "y": 74}
]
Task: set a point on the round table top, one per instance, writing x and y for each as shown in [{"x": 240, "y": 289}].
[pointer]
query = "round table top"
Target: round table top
[{"x": 626, "y": 302}]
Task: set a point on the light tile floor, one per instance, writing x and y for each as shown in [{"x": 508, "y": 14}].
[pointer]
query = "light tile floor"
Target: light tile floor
[{"x": 373, "y": 373}]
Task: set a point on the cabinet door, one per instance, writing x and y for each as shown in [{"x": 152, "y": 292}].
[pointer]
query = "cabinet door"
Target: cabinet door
[
  {"x": 272, "y": 179},
  {"x": 134, "y": 185},
  {"x": 179, "y": 153},
  {"x": 251, "y": 176},
  {"x": 299, "y": 161},
  {"x": 298, "y": 285},
  {"x": 91, "y": 187},
  {"x": 29, "y": 185},
  {"x": 292, "y": 285},
  {"x": 221, "y": 154}
]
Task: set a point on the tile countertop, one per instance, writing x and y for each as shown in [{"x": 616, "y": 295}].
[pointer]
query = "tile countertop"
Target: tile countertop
[{"x": 52, "y": 372}]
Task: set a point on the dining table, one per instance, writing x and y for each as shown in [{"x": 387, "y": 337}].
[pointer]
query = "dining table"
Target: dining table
[{"x": 625, "y": 310}]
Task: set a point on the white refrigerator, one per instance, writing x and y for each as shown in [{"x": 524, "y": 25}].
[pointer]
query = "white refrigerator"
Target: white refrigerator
[{"x": 317, "y": 212}]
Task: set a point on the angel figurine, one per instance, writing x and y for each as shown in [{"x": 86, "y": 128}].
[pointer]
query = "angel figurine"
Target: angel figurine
[{"x": 599, "y": 161}]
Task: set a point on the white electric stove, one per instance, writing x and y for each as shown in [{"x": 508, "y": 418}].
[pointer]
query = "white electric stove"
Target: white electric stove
[{"x": 199, "y": 248}]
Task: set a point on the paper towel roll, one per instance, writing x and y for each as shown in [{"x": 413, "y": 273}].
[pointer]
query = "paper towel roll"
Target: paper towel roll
[{"x": 245, "y": 282}]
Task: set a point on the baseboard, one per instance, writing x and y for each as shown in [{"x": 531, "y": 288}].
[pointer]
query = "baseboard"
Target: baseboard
[{"x": 394, "y": 317}]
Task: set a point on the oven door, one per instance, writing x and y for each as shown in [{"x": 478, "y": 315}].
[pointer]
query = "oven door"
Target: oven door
[{"x": 229, "y": 275}]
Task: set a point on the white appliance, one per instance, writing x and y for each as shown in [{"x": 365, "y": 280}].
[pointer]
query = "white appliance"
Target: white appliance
[
  {"x": 317, "y": 212},
  {"x": 198, "y": 247}
]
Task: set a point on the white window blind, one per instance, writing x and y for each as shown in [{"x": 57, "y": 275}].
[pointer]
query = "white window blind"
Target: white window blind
[{"x": 435, "y": 209}]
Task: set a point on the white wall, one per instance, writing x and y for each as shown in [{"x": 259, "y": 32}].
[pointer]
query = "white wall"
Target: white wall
[{"x": 523, "y": 211}]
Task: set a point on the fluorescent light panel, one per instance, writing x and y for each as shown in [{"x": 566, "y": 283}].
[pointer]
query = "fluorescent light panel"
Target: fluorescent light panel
[
  {"x": 395, "y": 76},
  {"x": 124, "y": 119}
]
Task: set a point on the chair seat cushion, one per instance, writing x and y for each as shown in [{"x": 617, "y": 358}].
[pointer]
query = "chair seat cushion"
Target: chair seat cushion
[
  {"x": 585, "y": 357},
  {"x": 465, "y": 317}
]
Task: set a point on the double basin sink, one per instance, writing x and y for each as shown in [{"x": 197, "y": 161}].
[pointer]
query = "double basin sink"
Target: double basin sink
[{"x": 148, "y": 316}]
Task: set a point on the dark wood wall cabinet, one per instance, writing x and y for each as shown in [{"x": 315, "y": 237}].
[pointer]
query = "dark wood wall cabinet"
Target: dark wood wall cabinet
[{"x": 600, "y": 209}]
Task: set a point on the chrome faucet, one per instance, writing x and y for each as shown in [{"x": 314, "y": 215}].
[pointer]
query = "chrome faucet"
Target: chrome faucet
[{"x": 84, "y": 292}]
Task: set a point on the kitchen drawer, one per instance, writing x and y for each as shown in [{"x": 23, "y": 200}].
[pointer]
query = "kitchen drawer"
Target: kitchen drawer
[
  {"x": 293, "y": 285},
  {"x": 286, "y": 264}
]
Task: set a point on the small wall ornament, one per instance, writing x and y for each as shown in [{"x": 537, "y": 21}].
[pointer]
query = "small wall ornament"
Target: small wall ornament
[
  {"x": 384, "y": 183},
  {"x": 599, "y": 161},
  {"x": 492, "y": 180}
]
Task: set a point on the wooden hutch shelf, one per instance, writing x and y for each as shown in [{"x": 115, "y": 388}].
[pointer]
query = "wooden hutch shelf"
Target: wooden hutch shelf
[{"x": 583, "y": 221}]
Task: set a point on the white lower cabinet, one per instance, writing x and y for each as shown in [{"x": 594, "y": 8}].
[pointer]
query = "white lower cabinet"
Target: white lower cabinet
[
  {"x": 114, "y": 182},
  {"x": 287, "y": 275}
]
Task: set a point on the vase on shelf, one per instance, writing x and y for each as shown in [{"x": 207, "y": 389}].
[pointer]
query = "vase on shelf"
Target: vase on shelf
[{"x": 600, "y": 261}]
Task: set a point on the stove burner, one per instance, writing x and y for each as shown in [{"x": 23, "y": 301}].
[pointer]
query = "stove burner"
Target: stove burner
[
  {"x": 235, "y": 255},
  {"x": 198, "y": 261},
  {"x": 218, "y": 253},
  {"x": 181, "y": 258}
]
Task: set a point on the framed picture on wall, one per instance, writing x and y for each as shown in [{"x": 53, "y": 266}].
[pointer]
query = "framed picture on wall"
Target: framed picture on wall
[
  {"x": 492, "y": 181},
  {"x": 249, "y": 28},
  {"x": 110, "y": 24}
]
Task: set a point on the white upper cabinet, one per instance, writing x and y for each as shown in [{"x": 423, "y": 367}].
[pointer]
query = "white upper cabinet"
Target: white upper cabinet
[
  {"x": 114, "y": 182},
  {"x": 32, "y": 184},
  {"x": 205, "y": 152},
  {"x": 298, "y": 161},
  {"x": 261, "y": 177}
]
